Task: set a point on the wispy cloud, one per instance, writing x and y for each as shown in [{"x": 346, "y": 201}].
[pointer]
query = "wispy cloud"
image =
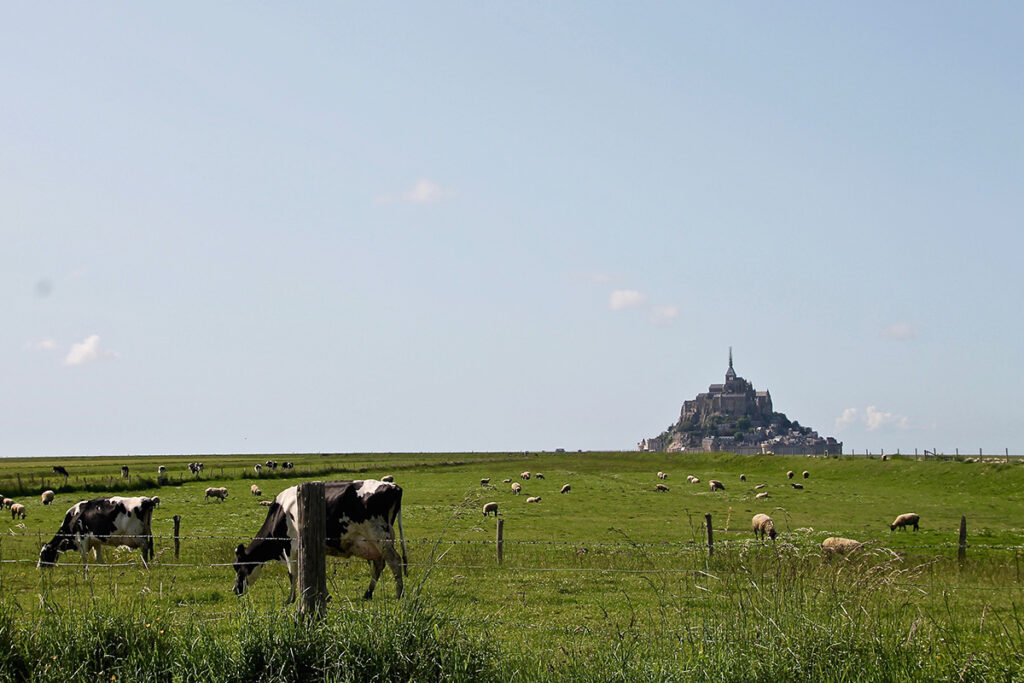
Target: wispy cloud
[
  {"x": 87, "y": 351},
  {"x": 664, "y": 315},
  {"x": 621, "y": 299},
  {"x": 872, "y": 418},
  {"x": 41, "y": 345},
  {"x": 423, "y": 191},
  {"x": 901, "y": 331}
]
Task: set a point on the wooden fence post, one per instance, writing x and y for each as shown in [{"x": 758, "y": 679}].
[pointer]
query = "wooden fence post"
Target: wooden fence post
[
  {"x": 177, "y": 538},
  {"x": 312, "y": 565},
  {"x": 711, "y": 538},
  {"x": 501, "y": 540},
  {"x": 961, "y": 552}
]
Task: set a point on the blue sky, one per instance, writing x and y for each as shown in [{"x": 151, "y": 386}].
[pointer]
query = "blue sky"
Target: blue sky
[{"x": 452, "y": 226}]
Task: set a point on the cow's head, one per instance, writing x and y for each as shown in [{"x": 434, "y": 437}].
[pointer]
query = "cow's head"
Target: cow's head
[{"x": 246, "y": 570}]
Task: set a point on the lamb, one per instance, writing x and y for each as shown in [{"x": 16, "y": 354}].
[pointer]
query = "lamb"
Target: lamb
[
  {"x": 524, "y": 475},
  {"x": 763, "y": 524},
  {"x": 218, "y": 493},
  {"x": 47, "y": 496},
  {"x": 763, "y": 494},
  {"x": 565, "y": 489},
  {"x": 661, "y": 487},
  {"x": 905, "y": 520},
  {"x": 533, "y": 499},
  {"x": 789, "y": 474},
  {"x": 516, "y": 488},
  {"x": 388, "y": 478},
  {"x": 8, "y": 502},
  {"x": 807, "y": 474},
  {"x": 17, "y": 510},
  {"x": 662, "y": 475},
  {"x": 840, "y": 546},
  {"x": 485, "y": 481},
  {"x": 491, "y": 507},
  {"x": 255, "y": 490},
  {"x": 716, "y": 485}
]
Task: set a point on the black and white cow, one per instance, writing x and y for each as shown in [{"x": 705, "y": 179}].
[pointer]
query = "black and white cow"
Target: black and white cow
[
  {"x": 361, "y": 518},
  {"x": 92, "y": 524}
]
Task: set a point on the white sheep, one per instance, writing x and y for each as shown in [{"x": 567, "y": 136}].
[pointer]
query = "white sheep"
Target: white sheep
[
  {"x": 255, "y": 490},
  {"x": 760, "y": 486},
  {"x": 17, "y": 510},
  {"x": 491, "y": 507},
  {"x": 565, "y": 489},
  {"x": 662, "y": 475},
  {"x": 743, "y": 477},
  {"x": 905, "y": 520},
  {"x": 836, "y": 544},
  {"x": 505, "y": 481},
  {"x": 661, "y": 487},
  {"x": 524, "y": 475},
  {"x": 218, "y": 493},
  {"x": 763, "y": 494},
  {"x": 266, "y": 503},
  {"x": 47, "y": 496},
  {"x": 485, "y": 481},
  {"x": 8, "y": 502},
  {"x": 538, "y": 475},
  {"x": 789, "y": 474},
  {"x": 533, "y": 499},
  {"x": 516, "y": 488},
  {"x": 763, "y": 524},
  {"x": 806, "y": 474},
  {"x": 695, "y": 480}
]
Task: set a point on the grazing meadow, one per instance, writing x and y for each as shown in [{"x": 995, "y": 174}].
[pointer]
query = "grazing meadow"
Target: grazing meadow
[{"x": 610, "y": 581}]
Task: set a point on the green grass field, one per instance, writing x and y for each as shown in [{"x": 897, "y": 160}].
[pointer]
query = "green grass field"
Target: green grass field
[{"x": 612, "y": 581}]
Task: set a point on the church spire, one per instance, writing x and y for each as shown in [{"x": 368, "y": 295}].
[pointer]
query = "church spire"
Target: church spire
[{"x": 730, "y": 373}]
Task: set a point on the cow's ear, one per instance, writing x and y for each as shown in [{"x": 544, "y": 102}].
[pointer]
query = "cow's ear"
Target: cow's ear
[{"x": 240, "y": 551}]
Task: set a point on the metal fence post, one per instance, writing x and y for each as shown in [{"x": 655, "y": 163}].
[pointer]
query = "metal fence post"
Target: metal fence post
[{"x": 312, "y": 564}]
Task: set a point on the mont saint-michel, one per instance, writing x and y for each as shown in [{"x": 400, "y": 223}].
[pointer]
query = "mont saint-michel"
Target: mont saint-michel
[{"x": 733, "y": 417}]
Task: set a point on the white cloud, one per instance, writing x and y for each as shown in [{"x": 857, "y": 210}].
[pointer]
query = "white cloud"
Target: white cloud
[
  {"x": 41, "y": 345},
  {"x": 872, "y": 418},
  {"x": 423, "y": 191},
  {"x": 902, "y": 331},
  {"x": 663, "y": 315},
  {"x": 87, "y": 351},
  {"x": 622, "y": 299},
  {"x": 848, "y": 417}
]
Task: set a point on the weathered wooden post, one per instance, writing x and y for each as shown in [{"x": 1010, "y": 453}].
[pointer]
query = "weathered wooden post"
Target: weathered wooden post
[
  {"x": 177, "y": 537},
  {"x": 501, "y": 540},
  {"x": 961, "y": 552},
  {"x": 312, "y": 549},
  {"x": 711, "y": 538}
]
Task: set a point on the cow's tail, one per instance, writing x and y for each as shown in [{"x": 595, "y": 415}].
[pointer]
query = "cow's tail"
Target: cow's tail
[{"x": 401, "y": 536}]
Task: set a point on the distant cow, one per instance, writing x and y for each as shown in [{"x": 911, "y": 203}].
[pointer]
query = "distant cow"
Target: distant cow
[
  {"x": 57, "y": 469},
  {"x": 257, "y": 467},
  {"x": 218, "y": 493},
  {"x": 287, "y": 466},
  {"x": 270, "y": 464},
  {"x": 361, "y": 517},
  {"x": 195, "y": 468},
  {"x": 92, "y": 524},
  {"x": 124, "y": 471}
]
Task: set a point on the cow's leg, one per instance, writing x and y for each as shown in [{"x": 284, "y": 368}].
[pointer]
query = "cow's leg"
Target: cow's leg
[
  {"x": 395, "y": 563},
  {"x": 99, "y": 554},
  {"x": 291, "y": 564},
  {"x": 376, "y": 567}
]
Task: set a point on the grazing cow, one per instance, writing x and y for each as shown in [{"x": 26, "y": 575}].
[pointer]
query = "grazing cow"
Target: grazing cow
[
  {"x": 92, "y": 524},
  {"x": 270, "y": 464},
  {"x": 195, "y": 468},
  {"x": 218, "y": 493},
  {"x": 361, "y": 517},
  {"x": 287, "y": 466},
  {"x": 124, "y": 471},
  {"x": 57, "y": 469}
]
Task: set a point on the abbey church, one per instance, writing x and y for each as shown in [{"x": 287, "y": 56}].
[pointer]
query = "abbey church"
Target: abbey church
[{"x": 735, "y": 418}]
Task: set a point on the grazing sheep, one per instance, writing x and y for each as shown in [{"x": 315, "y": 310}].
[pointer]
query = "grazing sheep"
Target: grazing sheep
[
  {"x": 789, "y": 474},
  {"x": 840, "y": 546},
  {"x": 505, "y": 481},
  {"x": 763, "y": 524},
  {"x": 255, "y": 490},
  {"x": 17, "y": 510},
  {"x": 662, "y": 475},
  {"x": 760, "y": 486},
  {"x": 690, "y": 478},
  {"x": 485, "y": 481},
  {"x": 47, "y": 497},
  {"x": 905, "y": 520},
  {"x": 491, "y": 507},
  {"x": 716, "y": 485},
  {"x": 807, "y": 474},
  {"x": 538, "y": 475},
  {"x": 661, "y": 487},
  {"x": 797, "y": 486},
  {"x": 8, "y": 502},
  {"x": 763, "y": 494},
  {"x": 743, "y": 477},
  {"x": 565, "y": 489},
  {"x": 533, "y": 499},
  {"x": 524, "y": 475},
  {"x": 388, "y": 478},
  {"x": 218, "y": 493},
  {"x": 267, "y": 503},
  {"x": 516, "y": 487},
  {"x": 696, "y": 480}
]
